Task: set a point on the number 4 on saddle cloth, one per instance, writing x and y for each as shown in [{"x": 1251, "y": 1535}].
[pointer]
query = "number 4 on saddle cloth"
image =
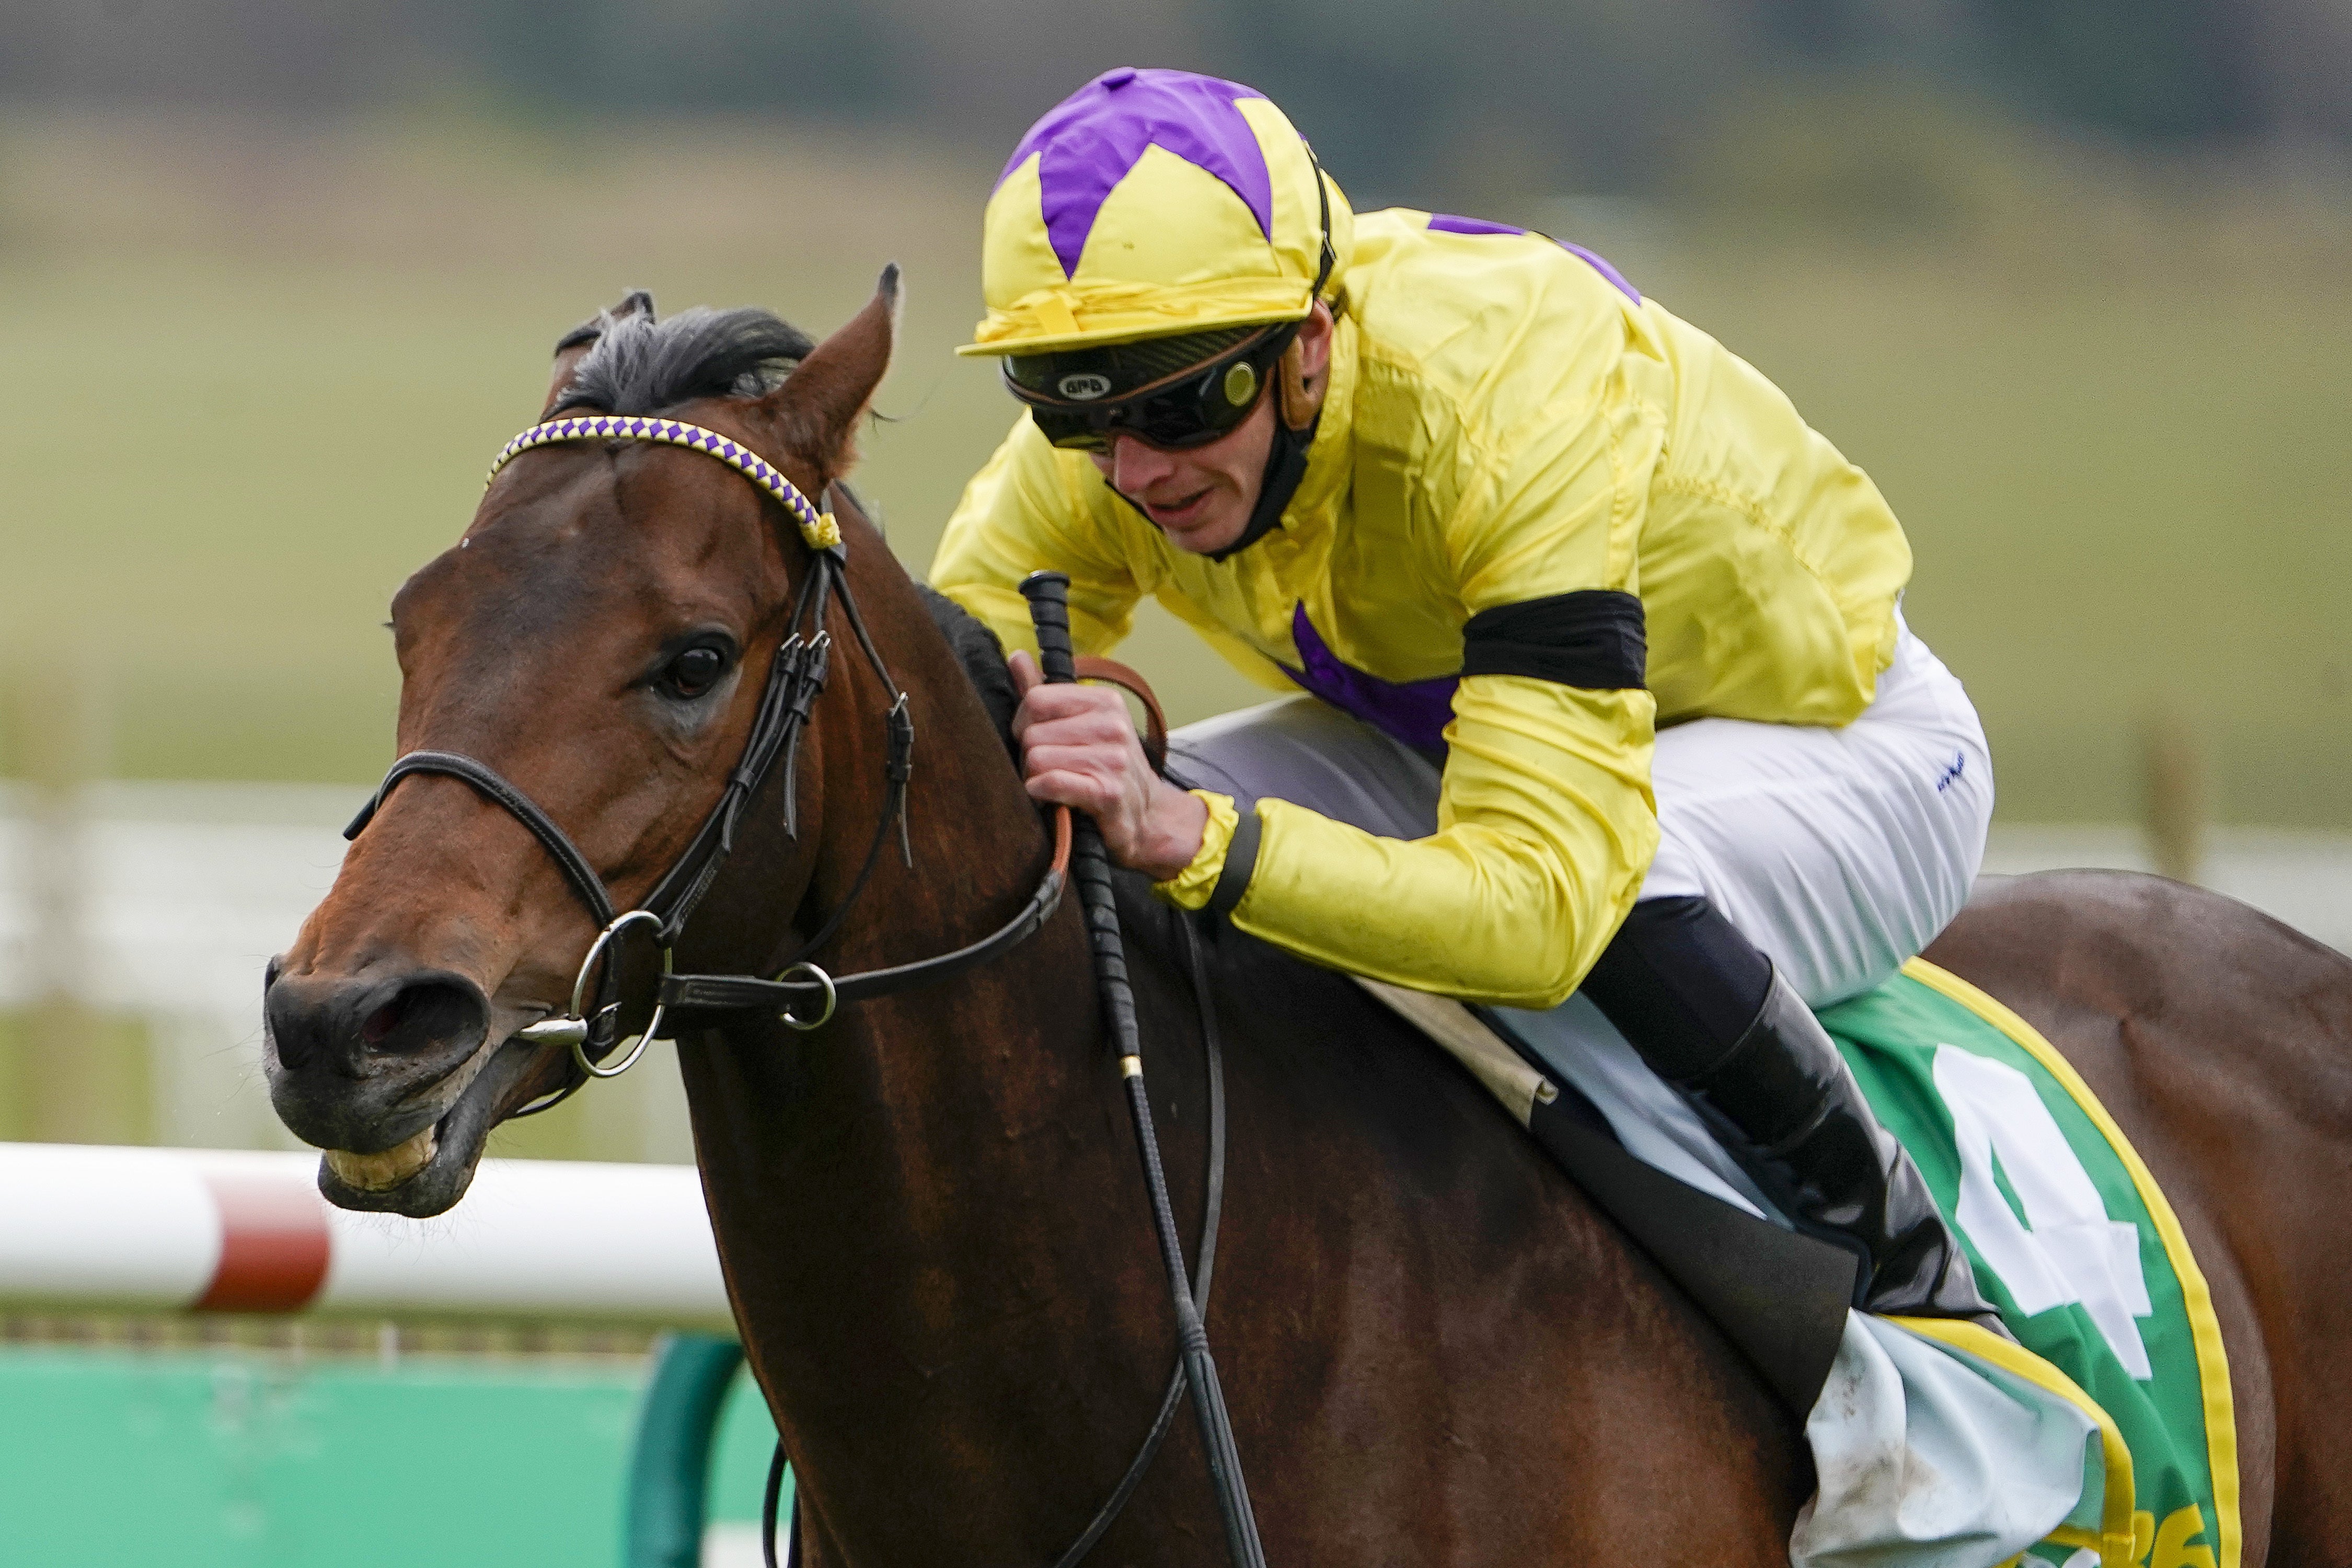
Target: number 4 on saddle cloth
[{"x": 2070, "y": 1237}]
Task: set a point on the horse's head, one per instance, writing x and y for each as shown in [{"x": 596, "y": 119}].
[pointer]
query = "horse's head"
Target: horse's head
[{"x": 600, "y": 637}]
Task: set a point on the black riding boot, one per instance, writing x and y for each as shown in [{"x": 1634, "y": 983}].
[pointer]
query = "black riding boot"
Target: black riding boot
[
  {"x": 1788, "y": 1109},
  {"x": 1783, "y": 1101}
]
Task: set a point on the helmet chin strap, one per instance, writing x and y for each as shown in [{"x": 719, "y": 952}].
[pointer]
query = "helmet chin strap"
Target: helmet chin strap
[{"x": 1286, "y": 466}]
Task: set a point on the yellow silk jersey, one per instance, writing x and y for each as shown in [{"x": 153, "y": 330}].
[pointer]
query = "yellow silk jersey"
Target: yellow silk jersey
[{"x": 1512, "y": 442}]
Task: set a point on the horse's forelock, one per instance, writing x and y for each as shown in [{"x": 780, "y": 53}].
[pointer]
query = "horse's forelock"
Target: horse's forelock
[{"x": 640, "y": 365}]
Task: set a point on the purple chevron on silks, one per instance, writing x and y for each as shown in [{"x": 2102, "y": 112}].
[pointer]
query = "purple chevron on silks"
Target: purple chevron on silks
[
  {"x": 1090, "y": 139},
  {"x": 1414, "y": 712},
  {"x": 1446, "y": 223}
]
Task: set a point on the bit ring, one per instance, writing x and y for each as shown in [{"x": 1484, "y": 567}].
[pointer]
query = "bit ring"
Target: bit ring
[{"x": 580, "y": 992}]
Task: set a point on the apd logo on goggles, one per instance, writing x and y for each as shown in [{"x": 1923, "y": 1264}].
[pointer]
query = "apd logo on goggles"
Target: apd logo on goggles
[{"x": 1084, "y": 386}]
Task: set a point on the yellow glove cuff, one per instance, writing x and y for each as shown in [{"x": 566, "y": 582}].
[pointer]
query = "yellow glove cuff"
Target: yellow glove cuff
[{"x": 1190, "y": 888}]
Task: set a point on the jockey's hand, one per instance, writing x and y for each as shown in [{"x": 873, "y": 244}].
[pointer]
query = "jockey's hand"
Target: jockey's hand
[{"x": 1079, "y": 748}]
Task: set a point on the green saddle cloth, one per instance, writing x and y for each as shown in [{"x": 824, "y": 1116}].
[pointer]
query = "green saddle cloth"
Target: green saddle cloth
[{"x": 2074, "y": 1244}]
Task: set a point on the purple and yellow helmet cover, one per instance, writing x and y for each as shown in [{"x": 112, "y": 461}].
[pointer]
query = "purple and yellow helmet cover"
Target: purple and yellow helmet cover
[{"x": 1154, "y": 202}]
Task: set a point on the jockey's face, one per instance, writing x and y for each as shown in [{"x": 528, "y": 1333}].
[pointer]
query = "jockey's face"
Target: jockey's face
[{"x": 1202, "y": 496}]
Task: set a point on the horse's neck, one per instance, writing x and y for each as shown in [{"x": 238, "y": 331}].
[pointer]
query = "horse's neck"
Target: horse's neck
[
  {"x": 976, "y": 852},
  {"x": 957, "y": 1063},
  {"x": 906, "y": 1189}
]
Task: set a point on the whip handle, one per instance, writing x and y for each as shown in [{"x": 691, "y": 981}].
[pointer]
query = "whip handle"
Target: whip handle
[{"x": 1048, "y": 594}]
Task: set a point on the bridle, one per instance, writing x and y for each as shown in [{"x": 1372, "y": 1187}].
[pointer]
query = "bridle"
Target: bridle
[
  {"x": 796, "y": 678},
  {"x": 802, "y": 995}
]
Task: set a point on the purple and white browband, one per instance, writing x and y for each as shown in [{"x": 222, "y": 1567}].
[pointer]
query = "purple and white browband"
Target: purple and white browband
[{"x": 817, "y": 527}]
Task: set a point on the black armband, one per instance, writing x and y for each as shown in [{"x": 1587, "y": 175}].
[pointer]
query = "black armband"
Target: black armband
[
  {"x": 1241, "y": 861},
  {"x": 1592, "y": 638}
]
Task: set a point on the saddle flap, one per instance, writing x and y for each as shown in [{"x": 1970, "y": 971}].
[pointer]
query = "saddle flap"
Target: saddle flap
[{"x": 1780, "y": 1297}]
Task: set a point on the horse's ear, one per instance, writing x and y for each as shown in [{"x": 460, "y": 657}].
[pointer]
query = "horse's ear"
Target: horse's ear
[
  {"x": 817, "y": 408},
  {"x": 573, "y": 346}
]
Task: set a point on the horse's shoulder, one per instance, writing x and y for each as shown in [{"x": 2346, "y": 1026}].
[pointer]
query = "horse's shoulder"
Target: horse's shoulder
[{"x": 1235, "y": 964}]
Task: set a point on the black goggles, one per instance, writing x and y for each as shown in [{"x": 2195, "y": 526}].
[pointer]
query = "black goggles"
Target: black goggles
[{"x": 1189, "y": 409}]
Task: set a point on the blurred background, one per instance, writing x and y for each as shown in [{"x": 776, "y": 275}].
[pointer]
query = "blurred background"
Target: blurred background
[{"x": 2069, "y": 278}]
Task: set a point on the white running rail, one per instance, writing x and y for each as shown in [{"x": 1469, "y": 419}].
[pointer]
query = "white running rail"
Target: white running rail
[{"x": 88, "y": 1228}]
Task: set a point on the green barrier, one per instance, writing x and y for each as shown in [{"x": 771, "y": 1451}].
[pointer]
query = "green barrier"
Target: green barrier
[
  {"x": 678, "y": 1430},
  {"x": 248, "y": 1458}
]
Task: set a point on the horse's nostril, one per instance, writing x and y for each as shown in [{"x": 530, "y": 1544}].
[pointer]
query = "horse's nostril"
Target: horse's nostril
[
  {"x": 284, "y": 1023},
  {"x": 381, "y": 1022},
  {"x": 350, "y": 1023},
  {"x": 425, "y": 1014}
]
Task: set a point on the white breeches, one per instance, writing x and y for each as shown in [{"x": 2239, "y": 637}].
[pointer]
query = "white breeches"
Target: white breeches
[{"x": 1840, "y": 853}]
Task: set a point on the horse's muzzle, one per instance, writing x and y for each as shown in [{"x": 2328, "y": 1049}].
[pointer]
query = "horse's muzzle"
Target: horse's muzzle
[{"x": 364, "y": 1063}]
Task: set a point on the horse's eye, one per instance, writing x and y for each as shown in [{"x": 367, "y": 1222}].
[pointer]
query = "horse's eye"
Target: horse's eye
[{"x": 695, "y": 670}]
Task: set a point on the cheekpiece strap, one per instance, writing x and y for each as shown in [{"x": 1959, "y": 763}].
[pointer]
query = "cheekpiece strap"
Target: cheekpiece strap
[{"x": 818, "y": 527}]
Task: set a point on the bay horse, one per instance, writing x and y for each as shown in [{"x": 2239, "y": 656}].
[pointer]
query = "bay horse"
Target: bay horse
[{"x": 1435, "y": 1349}]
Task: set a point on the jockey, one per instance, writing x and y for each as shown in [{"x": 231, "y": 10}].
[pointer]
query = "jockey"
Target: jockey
[{"x": 1466, "y": 484}]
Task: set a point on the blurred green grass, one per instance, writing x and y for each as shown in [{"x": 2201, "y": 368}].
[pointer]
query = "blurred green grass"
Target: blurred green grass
[{"x": 248, "y": 382}]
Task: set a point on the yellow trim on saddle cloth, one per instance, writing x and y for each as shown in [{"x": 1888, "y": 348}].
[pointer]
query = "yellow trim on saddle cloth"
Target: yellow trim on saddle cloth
[{"x": 2205, "y": 1328}]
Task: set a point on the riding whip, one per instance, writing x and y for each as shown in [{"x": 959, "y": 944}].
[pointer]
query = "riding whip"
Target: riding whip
[{"x": 1049, "y": 610}]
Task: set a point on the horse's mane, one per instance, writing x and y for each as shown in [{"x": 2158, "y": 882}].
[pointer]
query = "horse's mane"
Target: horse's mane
[
  {"x": 1145, "y": 918},
  {"x": 636, "y": 364},
  {"x": 982, "y": 656}
]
